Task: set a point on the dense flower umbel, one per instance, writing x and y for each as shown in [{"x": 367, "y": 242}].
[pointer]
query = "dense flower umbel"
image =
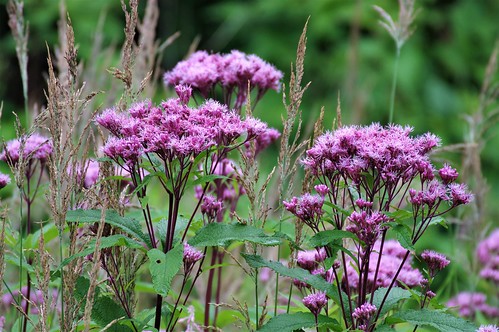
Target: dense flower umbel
[
  {"x": 488, "y": 328},
  {"x": 233, "y": 72},
  {"x": 315, "y": 302},
  {"x": 33, "y": 147},
  {"x": 173, "y": 130}
]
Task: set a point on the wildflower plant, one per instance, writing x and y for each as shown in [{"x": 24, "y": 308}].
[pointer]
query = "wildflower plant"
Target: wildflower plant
[{"x": 370, "y": 193}]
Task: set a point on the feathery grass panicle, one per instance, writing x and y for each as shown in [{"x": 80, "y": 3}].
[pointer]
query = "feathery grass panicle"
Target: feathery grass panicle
[
  {"x": 20, "y": 31},
  {"x": 400, "y": 30}
]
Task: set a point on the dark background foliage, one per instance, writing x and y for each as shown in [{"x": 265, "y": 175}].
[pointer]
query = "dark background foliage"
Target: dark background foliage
[{"x": 440, "y": 73}]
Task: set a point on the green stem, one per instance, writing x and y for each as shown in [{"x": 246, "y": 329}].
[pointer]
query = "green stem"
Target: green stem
[
  {"x": 256, "y": 298},
  {"x": 394, "y": 84}
]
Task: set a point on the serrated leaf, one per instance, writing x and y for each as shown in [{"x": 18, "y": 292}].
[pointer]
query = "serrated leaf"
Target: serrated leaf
[
  {"x": 299, "y": 320},
  {"x": 128, "y": 225},
  {"x": 217, "y": 234},
  {"x": 317, "y": 282},
  {"x": 323, "y": 238},
  {"x": 439, "y": 220},
  {"x": 442, "y": 321},
  {"x": 164, "y": 267},
  {"x": 104, "y": 309},
  {"x": 396, "y": 294},
  {"x": 403, "y": 235},
  {"x": 116, "y": 240}
]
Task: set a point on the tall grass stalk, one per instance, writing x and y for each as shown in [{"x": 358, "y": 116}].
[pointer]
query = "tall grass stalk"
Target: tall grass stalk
[{"x": 394, "y": 84}]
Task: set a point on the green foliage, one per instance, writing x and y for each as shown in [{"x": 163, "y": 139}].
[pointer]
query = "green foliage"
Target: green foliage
[
  {"x": 116, "y": 240},
  {"x": 128, "y": 225},
  {"x": 104, "y": 310},
  {"x": 217, "y": 234},
  {"x": 164, "y": 267},
  {"x": 299, "y": 320},
  {"x": 442, "y": 321},
  {"x": 396, "y": 295},
  {"x": 317, "y": 282}
]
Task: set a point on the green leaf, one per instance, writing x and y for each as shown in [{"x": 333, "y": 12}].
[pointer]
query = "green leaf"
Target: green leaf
[
  {"x": 442, "y": 321},
  {"x": 217, "y": 234},
  {"x": 439, "y": 220},
  {"x": 116, "y": 240},
  {"x": 317, "y": 282},
  {"x": 164, "y": 267},
  {"x": 338, "y": 208},
  {"x": 403, "y": 235},
  {"x": 32, "y": 241},
  {"x": 128, "y": 225},
  {"x": 396, "y": 294},
  {"x": 104, "y": 309},
  {"x": 299, "y": 320},
  {"x": 324, "y": 238},
  {"x": 384, "y": 328}
]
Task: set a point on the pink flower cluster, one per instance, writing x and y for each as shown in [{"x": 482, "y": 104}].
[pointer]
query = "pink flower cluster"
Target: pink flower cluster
[
  {"x": 191, "y": 256},
  {"x": 4, "y": 180},
  {"x": 468, "y": 304},
  {"x": 435, "y": 261},
  {"x": 363, "y": 314},
  {"x": 389, "y": 151},
  {"x": 307, "y": 208},
  {"x": 315, "y": 302},
  {"x": 391, "y": 258},
  {"x": 488, "y": 254},
  {"x": 366, "y": 225},
  {"x": 32, "y": 147},
  {"x": 488, "y": 328},
  {"x": 173, "y": 130},
  {"x": 203, "y": 71}
]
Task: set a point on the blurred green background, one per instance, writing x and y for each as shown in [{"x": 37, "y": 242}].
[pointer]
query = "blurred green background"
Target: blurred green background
[{"x": 441, "y": 69}]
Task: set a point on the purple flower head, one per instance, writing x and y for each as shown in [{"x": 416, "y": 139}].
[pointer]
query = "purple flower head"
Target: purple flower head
[
  {"x": 435, "y": 261},
  {"x": 307, "y": 207},
  {"x": 364, "y": 312},
  {"x": 322, "y": 190},
  {"x": 430, "y": 294},
  {"x": 315, "y": 302},
  {"x": 362, "y": 204},
  {"x": 460, "y": 194},
  {"x": 366, "y": 226},
  {"x": 264, "y": 139},
  {"x": 388, "y": 152},
  {"x": 128, "y": 149},
  {"x": 33, "y": 147},
  {"x": 191, "y": 256},
  {"x": 469, "y": 303},
  {"x": 184, "y": 93},
  {"x": 211, "y": 207},
  {"x": 200, "y": 71},
  {"x": 448, "y": 174},
  {"x": 112, "y": 120},
  {"x": 4, "y": 180},
  {"x": 488, "y": 328},
  {"x": 310, "y": 259}
]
